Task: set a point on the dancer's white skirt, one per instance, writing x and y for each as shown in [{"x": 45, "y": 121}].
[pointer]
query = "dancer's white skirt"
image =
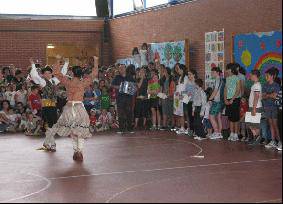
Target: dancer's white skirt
[{"x": 73, "y": 121}]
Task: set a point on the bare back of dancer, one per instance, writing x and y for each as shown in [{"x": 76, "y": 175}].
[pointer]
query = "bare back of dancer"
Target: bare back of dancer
[{"x": 76, "y": 87}]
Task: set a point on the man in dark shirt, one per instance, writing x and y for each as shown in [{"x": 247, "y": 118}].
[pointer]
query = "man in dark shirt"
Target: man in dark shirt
[{"x": 124, "y": 101}]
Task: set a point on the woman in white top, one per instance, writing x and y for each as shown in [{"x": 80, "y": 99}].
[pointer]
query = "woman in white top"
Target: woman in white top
[
  {"x": 255, "y": 105},
  {"x": 180, "y": 90}
]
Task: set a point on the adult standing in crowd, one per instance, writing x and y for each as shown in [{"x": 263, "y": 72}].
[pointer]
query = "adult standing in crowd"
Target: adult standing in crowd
[{"x": 124, "y": 100}]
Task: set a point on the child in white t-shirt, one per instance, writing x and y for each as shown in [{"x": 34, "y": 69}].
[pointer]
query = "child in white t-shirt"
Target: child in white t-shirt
[{"x": 255, "y": 106}]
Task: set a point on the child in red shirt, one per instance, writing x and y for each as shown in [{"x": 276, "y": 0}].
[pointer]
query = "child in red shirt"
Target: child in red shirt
[{"x": 35, "y": 100}]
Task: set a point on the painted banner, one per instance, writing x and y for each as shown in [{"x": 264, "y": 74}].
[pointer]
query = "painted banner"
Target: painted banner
[
  {"x": 214, "y": 54},
  {"x": 259, "y": 51},
  {"x": 127, "y": 61},
  {"x": 168, "y": 53}
]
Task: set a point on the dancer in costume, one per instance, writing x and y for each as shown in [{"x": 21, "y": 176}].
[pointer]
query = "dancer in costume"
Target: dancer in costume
[
  {"x": 48, "y": 84},
  {"x": 74, "y": 121}
]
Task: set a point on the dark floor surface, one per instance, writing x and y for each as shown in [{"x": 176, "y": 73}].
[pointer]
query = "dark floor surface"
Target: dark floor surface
[{"x": 145, "y": 167}]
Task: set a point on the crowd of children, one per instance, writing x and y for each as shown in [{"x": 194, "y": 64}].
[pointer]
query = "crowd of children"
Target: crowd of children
[{"x": 166, "y": 100}]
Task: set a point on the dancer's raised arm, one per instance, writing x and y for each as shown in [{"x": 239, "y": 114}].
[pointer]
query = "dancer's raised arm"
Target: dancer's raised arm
[
  {"x": 35, "y": 76},
  {"x": 94, "y": 72},
  {"x": 64, "y": 69}
]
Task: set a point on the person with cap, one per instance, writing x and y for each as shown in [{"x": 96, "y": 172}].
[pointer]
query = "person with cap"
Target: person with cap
[{"x": 48, "y": 84}]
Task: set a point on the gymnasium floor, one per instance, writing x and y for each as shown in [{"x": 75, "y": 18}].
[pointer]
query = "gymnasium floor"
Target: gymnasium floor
[{"x": 144, "y": 167}]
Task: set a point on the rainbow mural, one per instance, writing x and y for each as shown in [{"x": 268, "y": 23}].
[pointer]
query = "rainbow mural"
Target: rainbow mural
[
  {"x": 268, "y": 60},
  {"x": 259, "y": 51}
]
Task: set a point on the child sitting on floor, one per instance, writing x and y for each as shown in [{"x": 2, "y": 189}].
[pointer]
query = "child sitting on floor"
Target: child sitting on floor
[
  {"x": 31, "y": 124},
  {"x": 114, "y": 119},
  {"x": 93, "y": 121},
  {"x": 105, "y": 120}
]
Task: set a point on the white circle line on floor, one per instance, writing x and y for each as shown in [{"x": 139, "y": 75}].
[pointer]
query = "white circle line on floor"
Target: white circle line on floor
[
  {"x": 151, "y": 170},
  {"x": 47, "y": 186},
  {"x": 165, "y": 169}
]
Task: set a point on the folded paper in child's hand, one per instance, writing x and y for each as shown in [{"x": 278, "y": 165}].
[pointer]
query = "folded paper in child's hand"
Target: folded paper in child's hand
[{"x": 252, "y": 119}]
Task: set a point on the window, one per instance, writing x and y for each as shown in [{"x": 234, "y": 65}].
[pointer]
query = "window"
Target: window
[
  {"x": 49, "y": 7},
  {"x": 125, "y": 6},
  {"x": 151, "y": 3}
]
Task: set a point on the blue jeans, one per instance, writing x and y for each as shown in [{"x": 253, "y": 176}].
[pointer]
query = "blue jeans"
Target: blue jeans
[{"x": 265, "y": 130}]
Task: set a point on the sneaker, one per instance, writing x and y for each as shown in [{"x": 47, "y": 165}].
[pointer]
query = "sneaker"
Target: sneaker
[
  {"x": 174, "y": 129},
  {"x": 190, "y": 133},
  {"x": 218, "y": 136},
  {"x": 196, "y": 137},
  {"x": 153, "y": 128},
  {"x": 213, "y": 136},
  {"x": 235, "y": 138},
  {"x": 162, "y": 128},
  {"x": 271, "y": 145},
  {"x": 199, "y": 138},
  {"x": 231, "y": 137},
  {"x": 208, "y": 136},
  {"x": 255, "y": 142},
  {"x": 243, "y": 139},
  {"x": 120, "y": 133},
  {"x": 258, "y": 139},
  {"x": 279, "y": 146},
  {"x": 182, "y": 131}
]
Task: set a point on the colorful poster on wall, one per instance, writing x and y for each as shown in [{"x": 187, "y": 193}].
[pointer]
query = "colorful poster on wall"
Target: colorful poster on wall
[
  {"x": 259, "y": 51},
  {"x": 214, "y": 54},
  {"x": 169, "y": 53}
]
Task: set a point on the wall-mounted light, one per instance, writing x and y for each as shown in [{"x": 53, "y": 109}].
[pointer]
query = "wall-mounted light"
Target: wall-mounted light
[{"x": 50, "y": 46}]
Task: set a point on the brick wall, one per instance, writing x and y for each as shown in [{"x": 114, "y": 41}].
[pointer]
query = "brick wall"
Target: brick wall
[
  {"x": 191, "y": 21},
  {"x": 21, "y": 39}
]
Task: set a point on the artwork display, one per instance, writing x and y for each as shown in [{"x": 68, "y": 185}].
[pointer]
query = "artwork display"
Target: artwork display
[
  {"x": 127, "y": 61},
  {"x": 214, "y": 54},
  {"x": 168, "y": 53},
  {"x": 259, "y": 51}
]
